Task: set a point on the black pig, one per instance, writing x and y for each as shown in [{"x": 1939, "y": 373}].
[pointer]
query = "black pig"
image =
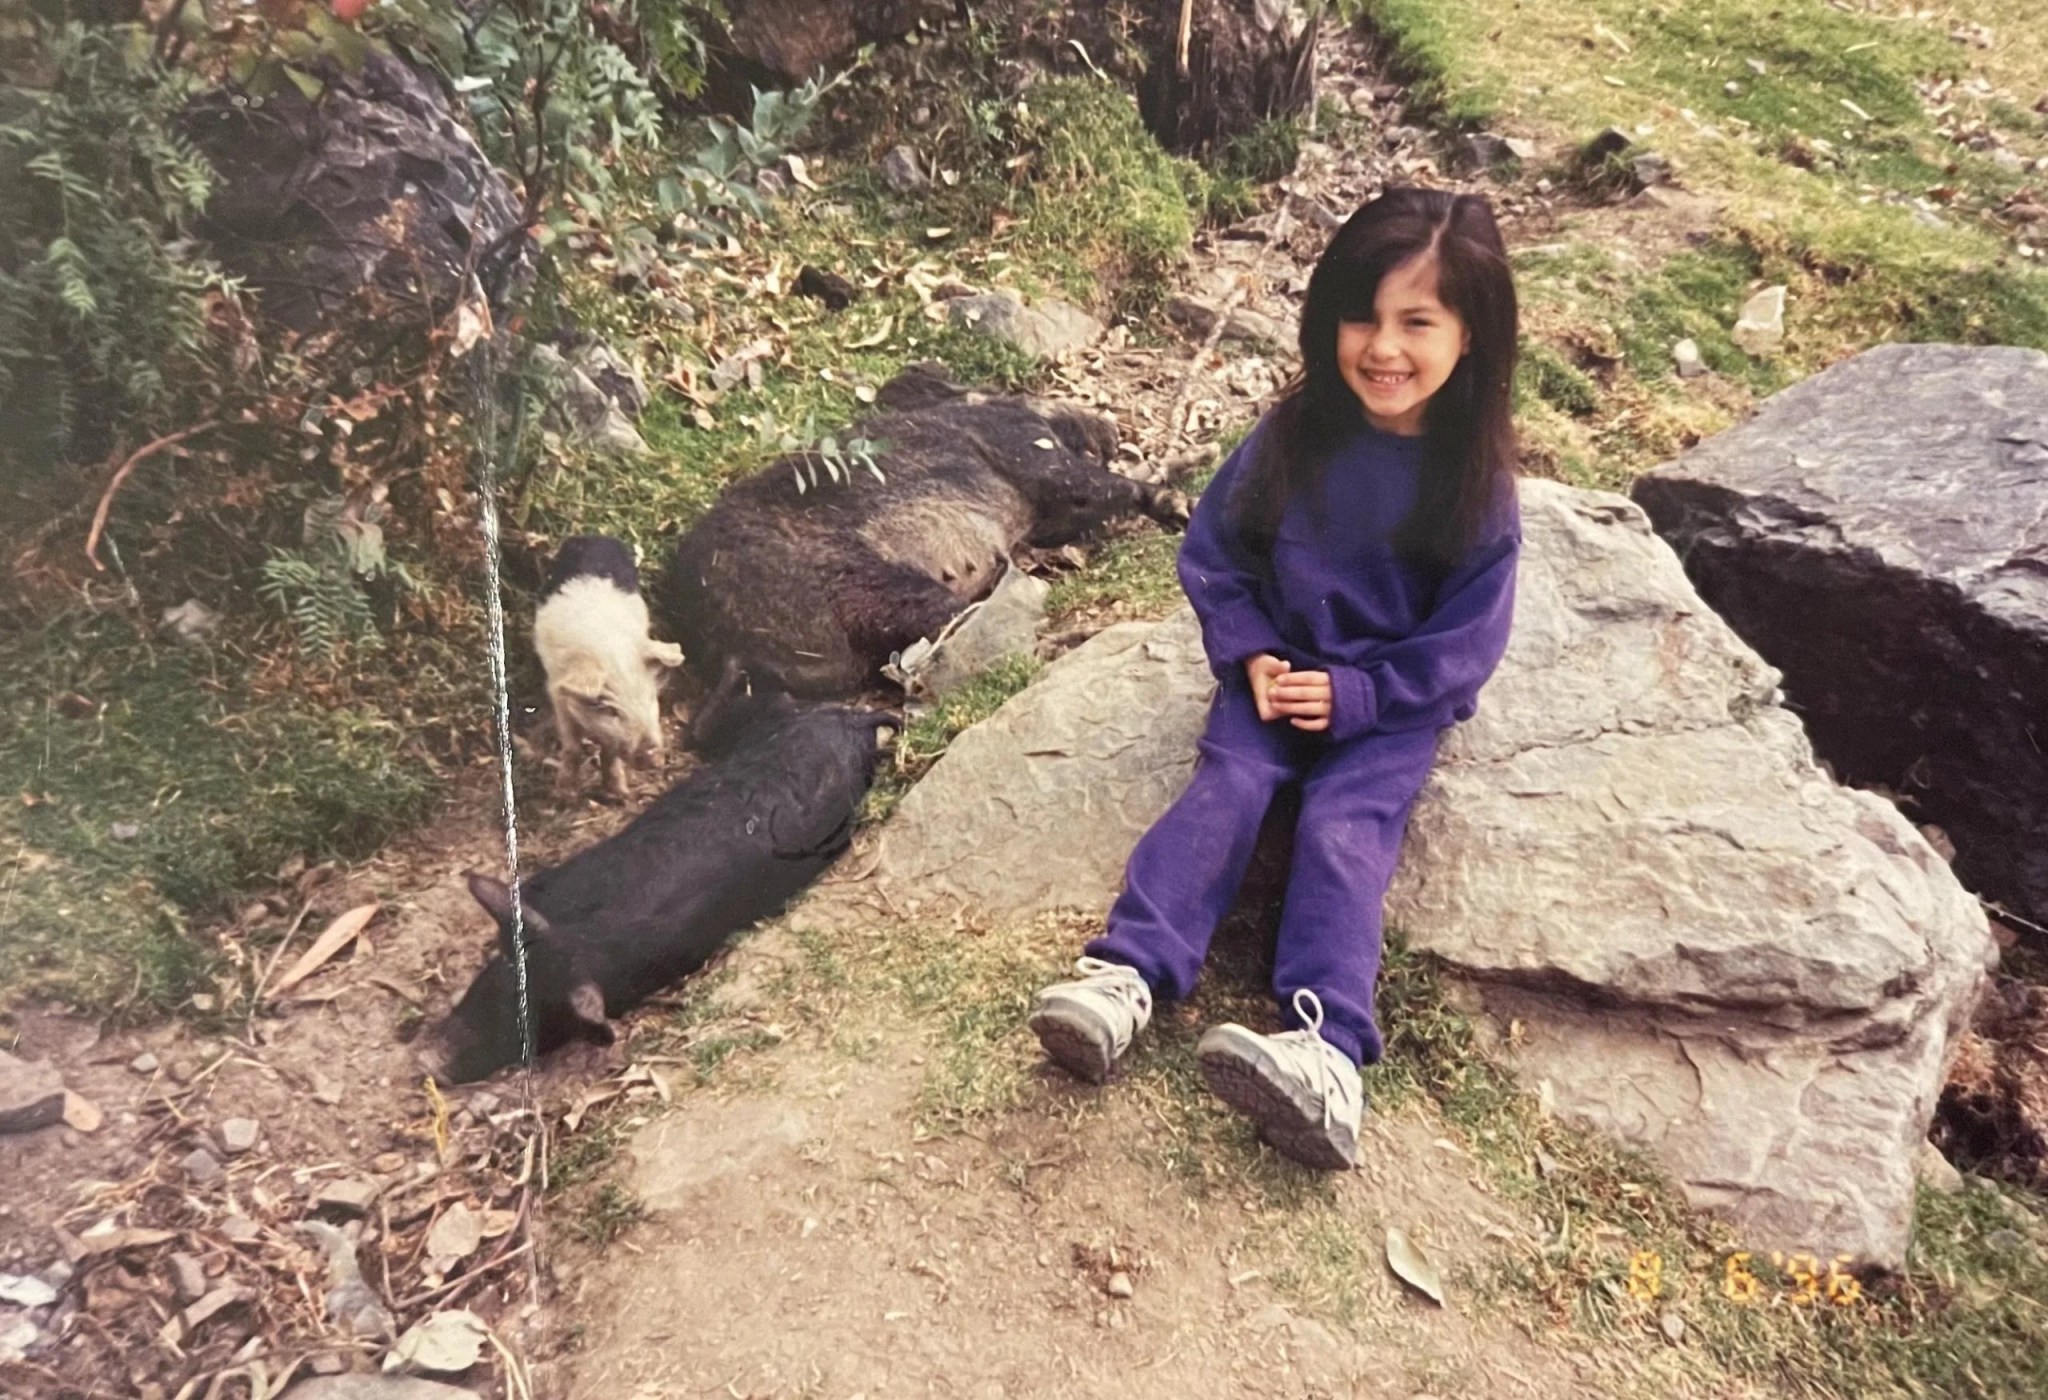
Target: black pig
[
  {"x": 611, "y": 926},
  {"x": 810, "y": 591}
]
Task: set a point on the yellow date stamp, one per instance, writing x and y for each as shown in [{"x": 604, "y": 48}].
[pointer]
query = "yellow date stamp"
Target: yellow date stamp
[{"x": 1800, "y": 1280}]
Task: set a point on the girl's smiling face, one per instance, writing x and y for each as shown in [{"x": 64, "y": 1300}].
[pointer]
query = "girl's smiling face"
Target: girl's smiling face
[{"x": 1396, "y": 361}]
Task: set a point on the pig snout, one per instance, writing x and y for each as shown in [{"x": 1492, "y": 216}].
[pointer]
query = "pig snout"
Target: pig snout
[{"x": 648, "y": 751}]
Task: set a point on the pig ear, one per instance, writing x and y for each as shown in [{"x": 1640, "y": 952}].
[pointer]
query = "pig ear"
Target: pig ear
[
  {"x": 587, "y": 1004},
  {"x": 496, "y": 898},
  {"x": 666, "y": 655}
]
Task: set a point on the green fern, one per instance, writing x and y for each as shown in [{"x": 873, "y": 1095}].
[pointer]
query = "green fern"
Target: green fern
[{"x": 319, "y": 587}]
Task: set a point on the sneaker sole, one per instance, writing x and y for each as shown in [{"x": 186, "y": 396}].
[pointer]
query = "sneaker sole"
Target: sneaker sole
[
  {"x": 1074, "y": 1044},
  {"x": 1255, "y": 1091}
]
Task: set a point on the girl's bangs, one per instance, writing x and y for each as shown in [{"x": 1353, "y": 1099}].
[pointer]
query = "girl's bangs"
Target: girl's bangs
[{"x": 1357, "y": 283}]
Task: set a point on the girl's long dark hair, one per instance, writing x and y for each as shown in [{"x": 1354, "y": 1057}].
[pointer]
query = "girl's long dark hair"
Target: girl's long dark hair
[{"x": 1469, "y": 436}]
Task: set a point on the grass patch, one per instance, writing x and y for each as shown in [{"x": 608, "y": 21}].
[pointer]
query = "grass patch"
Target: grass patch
[
  {"x": 1546, "y": 375},
  {"x": 146, "y": 786},
  {"x": 1695, "y": 296},
  {"x": 1425, "y": 44},
  {"x": 1106, "y": 200},
  {"x": 1838, "y": 170},
  {"x": 1266, "y": 153},
  {"x": 1132, "y": 574},
  {"x": 1954, "y": 1324},
  {"x": 610, "y": 1212}
]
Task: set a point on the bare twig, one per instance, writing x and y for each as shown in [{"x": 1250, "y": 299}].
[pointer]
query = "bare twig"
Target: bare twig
[
  {"x": 1187, "y": 17},
  {"x": 135, "y": 459},
  {"x": 468, "y": 1277},
  {"x": 276, "y": 954}
]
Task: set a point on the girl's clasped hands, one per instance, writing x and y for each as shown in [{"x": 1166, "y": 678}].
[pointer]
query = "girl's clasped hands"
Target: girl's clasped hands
[{"x": 1281, "y": 692}]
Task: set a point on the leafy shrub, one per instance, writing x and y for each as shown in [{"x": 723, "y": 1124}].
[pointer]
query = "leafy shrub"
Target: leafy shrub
[{"x": 103, "y": 296}]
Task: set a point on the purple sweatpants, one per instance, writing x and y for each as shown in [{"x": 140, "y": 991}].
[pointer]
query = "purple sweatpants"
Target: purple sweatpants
[{"x": 1184, "y": 874}]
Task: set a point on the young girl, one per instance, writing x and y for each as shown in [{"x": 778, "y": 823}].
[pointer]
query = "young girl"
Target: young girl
[{"x": 1353, "y": 568}]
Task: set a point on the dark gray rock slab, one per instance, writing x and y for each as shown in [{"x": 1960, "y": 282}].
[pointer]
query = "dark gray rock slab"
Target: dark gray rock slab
[
  {"x": 1879, "y": 533},
  {"x": 372, "y": 196}
]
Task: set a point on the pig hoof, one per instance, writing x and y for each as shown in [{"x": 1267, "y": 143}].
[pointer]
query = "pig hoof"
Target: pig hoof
[{"x": 1172, "y": 508}]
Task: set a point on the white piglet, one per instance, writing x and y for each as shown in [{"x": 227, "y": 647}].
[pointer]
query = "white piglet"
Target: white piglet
[{"x": 604, "y": 671}]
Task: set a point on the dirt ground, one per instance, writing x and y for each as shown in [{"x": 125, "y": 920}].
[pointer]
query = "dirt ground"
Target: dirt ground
[{"x": 808, "y": 1241}]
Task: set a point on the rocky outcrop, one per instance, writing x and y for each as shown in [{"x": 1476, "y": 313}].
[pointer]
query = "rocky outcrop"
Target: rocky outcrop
[
  {"x": 1879, "y": 532},
  {"x": 1717, "y": 955},
  {"x": 374, "y": 190}
]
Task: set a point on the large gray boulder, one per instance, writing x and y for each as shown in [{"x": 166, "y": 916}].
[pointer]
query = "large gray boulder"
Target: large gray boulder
[
  {"x": 1038, "y": 806},
  {"x": 1717, "y": 955},
  {"x": 1879, "y": 532}
]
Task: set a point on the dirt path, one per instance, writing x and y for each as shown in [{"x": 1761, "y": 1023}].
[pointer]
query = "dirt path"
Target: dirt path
[{"x": 808, "y": 1239}]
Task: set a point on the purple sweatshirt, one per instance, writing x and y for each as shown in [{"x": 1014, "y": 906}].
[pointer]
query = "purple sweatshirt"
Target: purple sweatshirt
[{"x": 1407, "y": 646}]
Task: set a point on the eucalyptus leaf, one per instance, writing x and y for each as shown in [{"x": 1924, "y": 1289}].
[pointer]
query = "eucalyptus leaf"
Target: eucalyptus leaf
[{"x": 1414, "y": 1267}]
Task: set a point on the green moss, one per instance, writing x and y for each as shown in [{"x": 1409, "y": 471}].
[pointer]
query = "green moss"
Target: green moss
[{"x": 1544, "y": 374}]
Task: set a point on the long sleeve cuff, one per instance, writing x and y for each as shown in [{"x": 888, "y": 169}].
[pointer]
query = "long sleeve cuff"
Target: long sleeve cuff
[
  {"x": 1234, "y": 636},
  {"x": 1354, "y": 703}
]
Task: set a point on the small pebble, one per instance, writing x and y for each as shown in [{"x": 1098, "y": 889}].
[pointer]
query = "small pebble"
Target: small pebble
[
  {"x": 145, "y": 1063},
  {"x": 202, "y": 1167},
  {"x": 239, "y": 1134},
  {"x": 189, "y": 1276},
  {"x": 349, "y": 1197},
  {"x": 240, "y": 1229},
  {"x": 124, "y": 831},
  {"x": 1119, "y": 1285}
]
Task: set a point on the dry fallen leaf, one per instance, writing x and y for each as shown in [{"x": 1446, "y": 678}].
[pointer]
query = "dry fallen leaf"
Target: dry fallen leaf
[
  {"x": 455, "y": 1235},
  {"x": 604, "y": 1093},
  {"x": 1413, "y": 1267},
  {"x": 874, "y": 337},
  {"x": 445, "y": 1343},
  {"x": 78, "y": 1248},
  {"x": 330, "y": 942}
]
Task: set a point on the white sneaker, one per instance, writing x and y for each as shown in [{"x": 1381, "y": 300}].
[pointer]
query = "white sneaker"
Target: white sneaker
[
  {"x": 1303, "y": 1092},
  {"x": 1086, "y": 1025}
]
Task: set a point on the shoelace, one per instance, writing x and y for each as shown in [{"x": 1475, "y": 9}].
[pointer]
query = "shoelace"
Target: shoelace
[
  {"x": 1118, "y": 978},
  {"x": 1309, "y": 1007}
]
